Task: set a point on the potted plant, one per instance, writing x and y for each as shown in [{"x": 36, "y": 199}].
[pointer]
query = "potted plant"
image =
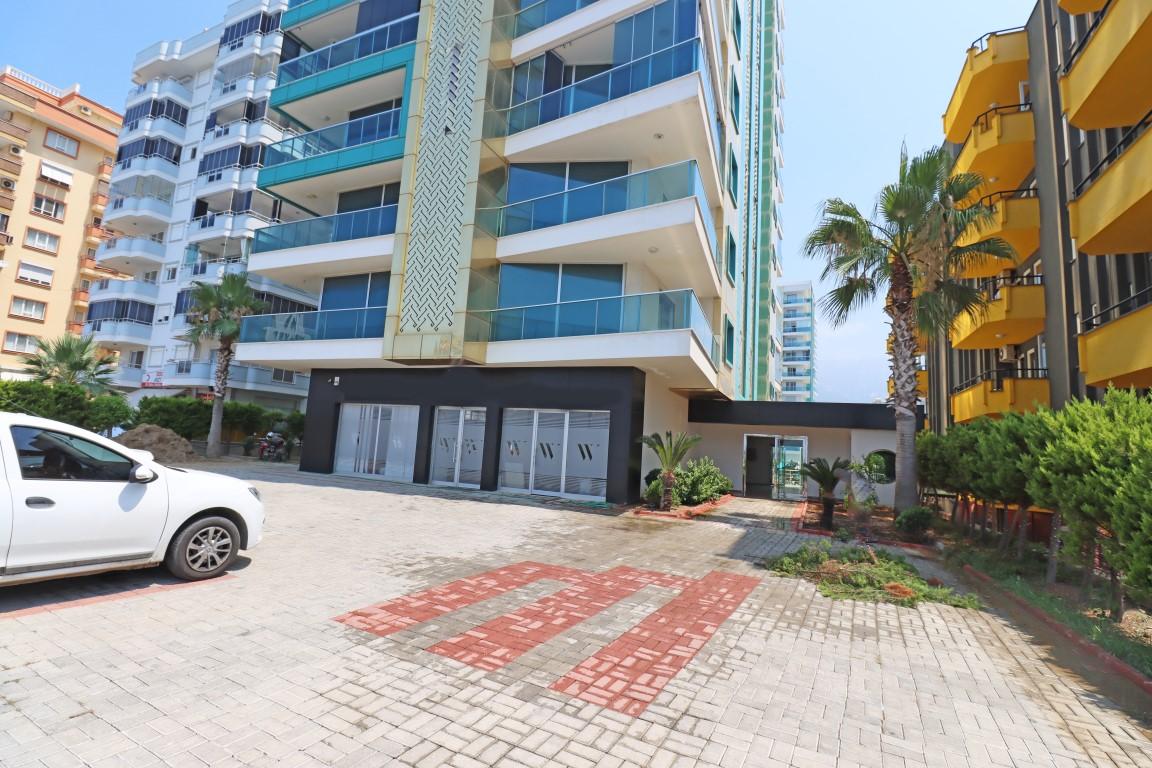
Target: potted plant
[
  {"x": 670, "y": 450},
  {"x": 825, "y": 476}
]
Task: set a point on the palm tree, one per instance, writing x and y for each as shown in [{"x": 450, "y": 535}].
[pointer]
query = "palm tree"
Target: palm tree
[
  {"x": 73, "y": 360},
  {"x": 670, "y": 450},
  {"x": 910, "y": 251},
  {"x": 215, "y": 313},
  {"x": 827, "y": 477}
]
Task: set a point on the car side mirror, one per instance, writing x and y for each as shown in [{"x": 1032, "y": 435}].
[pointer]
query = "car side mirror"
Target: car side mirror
[{"x": 142, "y": 474}]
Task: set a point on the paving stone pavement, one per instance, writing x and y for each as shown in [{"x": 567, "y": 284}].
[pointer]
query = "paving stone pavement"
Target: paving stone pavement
[{"x": 255, "y": 670}]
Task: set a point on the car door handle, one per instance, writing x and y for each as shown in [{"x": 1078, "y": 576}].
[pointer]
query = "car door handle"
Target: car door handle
[{"x": 39, "y": 501}]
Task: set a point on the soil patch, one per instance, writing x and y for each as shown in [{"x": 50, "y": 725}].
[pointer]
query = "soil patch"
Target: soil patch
[{"x": 165, "y": 445}]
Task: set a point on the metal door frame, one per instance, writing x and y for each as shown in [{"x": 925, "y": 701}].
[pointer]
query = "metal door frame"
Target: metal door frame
[{"x": 460, "y": 409}]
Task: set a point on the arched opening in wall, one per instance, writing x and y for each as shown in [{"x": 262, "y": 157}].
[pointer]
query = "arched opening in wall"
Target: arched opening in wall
[{"x": 882, "y": 465}]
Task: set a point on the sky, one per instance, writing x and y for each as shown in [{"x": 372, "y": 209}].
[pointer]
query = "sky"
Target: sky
[{"x": 861, "y": 78}]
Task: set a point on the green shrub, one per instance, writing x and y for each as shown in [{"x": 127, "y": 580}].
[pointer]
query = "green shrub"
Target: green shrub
[
  {"x": 107, "y": 412},
  {"x": 915, "y": 521},
  {"x": 62, "y": 402},
  {"x": 188, "y": 417},
  {"x": 701, "y": 481},
  {"x": 295, "y": 422},
  {"x": 248, "y": 418},
  {"x": 655, "y": 491},
  {"x": 653, "y": 474}
]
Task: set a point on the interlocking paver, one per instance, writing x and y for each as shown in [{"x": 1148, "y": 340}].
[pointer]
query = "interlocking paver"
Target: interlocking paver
[{"x": 253, "y": 670}]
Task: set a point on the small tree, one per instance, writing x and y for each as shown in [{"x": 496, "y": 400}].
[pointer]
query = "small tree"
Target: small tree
[
  {"x": 216, "y": 312},
  {"x": 827, "y": 477},
  {"x": 670, "y": 450},
  {"x": 72, "y": 360},
  {"x": 107, "y": 412}
]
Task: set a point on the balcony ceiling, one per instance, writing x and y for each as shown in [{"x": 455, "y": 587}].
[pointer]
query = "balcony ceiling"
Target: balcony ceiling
[
  {"x": 1016, "y": 221},
  {"x": 989, "y": 77},
  {"x": 329, "y": 107},
  {"x": 1098, "y": 90},
  {"x": 1002, "y": 150},
  {"x": 1015, "y": 317}
]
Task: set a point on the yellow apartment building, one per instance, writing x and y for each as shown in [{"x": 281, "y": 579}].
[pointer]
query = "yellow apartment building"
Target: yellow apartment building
[{"x": 56, "y": 156}]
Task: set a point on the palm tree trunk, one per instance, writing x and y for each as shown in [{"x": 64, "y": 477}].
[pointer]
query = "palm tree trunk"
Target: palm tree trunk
[
  {"x": 667, "y": 479},
  {"x": 224, "y": 355},
  {"x": 900, "y": 310}
]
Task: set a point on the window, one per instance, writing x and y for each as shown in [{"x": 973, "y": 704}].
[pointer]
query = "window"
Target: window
[
  {"x": 729, "y": 341},
  {"x": 737, "y": 27},
  {"x": 733, "y": 175},
  {"x": 135, "y": 359},
  {"x": 29, "y": 308},
  {"x": 734, "y": 101},
  {"x": 355, "y": 291},
  {"x": 61, "y": 143},
  {"x": 48, "y": 455},
  {"x": 55, "y": 173},
  {"x": 524, "y": 285},
  {"x": 30, "y": 273},
  {"x": 149, "y": 277},
  {"x": 19, "y": 342},
  {"x": 46, "y": 206},
  {"x": 170, "y": 273},
  {"x": 731, "y": 258},
  {"x": 41, "y": 241},
  {"x": 283, "y": 376}
]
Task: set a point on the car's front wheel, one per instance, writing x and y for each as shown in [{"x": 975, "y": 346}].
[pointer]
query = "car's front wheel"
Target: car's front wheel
[{"x": 203, "y": 549}]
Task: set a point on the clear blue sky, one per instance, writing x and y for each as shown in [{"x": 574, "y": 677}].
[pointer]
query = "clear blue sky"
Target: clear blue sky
[{"x": 861, "y": 78}]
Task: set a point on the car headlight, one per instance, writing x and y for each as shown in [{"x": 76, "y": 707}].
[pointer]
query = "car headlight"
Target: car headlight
[{"x": 254, "y": 492}]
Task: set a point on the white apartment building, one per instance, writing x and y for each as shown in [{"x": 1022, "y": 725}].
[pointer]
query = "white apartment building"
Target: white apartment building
[
  {"x": 798, "y": 361},
  {"x": 184, "y": 206}
]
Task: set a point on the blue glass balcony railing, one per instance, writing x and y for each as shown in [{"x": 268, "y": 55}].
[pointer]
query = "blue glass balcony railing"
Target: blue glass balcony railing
[
  {"x": 325, "y": 325},
  {"x": 663, "y": 311},
  {"x": 660, "y": 67},
  {"x": 353, "y": 225},
  {"x": 536, "y": 15},
  {"x": 624, "y": 193},
  {"x": 384, "y": 38},
  {"x": 363, "y": 130}
]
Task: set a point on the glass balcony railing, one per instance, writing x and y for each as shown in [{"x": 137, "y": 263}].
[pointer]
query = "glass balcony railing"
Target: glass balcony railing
[
  {"x": 536, "y": 15},
  {"x": 363, "y": 130},
  {"x": 668, "y": 64},
  {"x": 637, "y": 313},
  {"x": 353, "y": 225},
  {"x": 325, "y": 325},
  {"x": 391, "y": 35},
  {"x": 625, "y": 193}
]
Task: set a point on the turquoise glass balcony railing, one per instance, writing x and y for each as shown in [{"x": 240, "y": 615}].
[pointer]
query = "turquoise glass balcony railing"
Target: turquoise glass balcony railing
[
  {"x": 637, "y": 313},
  {"x": 537, "y": 14},
  {"x": 660, "y": 67},
  {"x": 353, "y": 225},
  {"x": 624, "y": 193},
  {"x": 363, "y": 45},
  {"x": 363, "y": 130},
  {"x": 325, "y": 325}
]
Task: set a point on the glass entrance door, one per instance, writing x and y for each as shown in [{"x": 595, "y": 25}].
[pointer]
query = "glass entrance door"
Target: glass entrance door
[
  {"x": 555, "y": 453},
  {"x": 790, "y": 456},
  {"x": 377, "y": 440},
  {"x": 458, "y": 446},
  {"x": 772, "y": 466}
]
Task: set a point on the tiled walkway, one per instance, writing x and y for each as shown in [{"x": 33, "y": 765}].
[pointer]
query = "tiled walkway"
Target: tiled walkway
[{"x": 382, "y": 625}]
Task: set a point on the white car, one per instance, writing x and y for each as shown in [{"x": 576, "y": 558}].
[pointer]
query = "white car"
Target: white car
[{"x": 73, "y": 503}]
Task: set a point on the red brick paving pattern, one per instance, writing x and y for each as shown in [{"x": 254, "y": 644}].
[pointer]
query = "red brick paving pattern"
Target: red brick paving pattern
[
  {"x": 627, "y": 675},
  {"x": 500, "y": 641}
]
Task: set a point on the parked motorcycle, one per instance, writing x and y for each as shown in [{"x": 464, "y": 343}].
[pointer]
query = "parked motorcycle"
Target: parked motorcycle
[{"x": 273, "y": 447}]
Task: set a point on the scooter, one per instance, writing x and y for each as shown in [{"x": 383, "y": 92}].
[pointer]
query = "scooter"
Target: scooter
[{"x": 273, "y": 448}]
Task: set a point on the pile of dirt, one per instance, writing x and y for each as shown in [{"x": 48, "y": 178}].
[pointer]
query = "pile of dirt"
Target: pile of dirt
[{"x": 165, "y": 445}]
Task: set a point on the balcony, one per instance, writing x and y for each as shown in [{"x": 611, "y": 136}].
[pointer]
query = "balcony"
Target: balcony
[
  {"x": 225, "y": 224},
  {"x": 336, "y": 149},
  {"x": 223, "y": 181},
  {"x": 162, "y": 127},
  {"x": 191, "y": 373},
  {"x": 336, "y": 338},
  {"x": 255, "y": 43},
  {"x": 1016, "y": 220},
  {"x": 130, "y": 254},
  {"x": 995, "y": 393},
  {"x": 126, "y": 289},
  {"x": 1113, "y": 203},
  {"x": 301, "y": 253},
  {"x": 659, "y": 219},
  {"x": 364, "y": 69},
  {"x": 1000, "y": 146},
  {"x": 7, "y": 201},
  {"x": 99, "y": 200},
  {"x": 996, "y": 64},
  {"x": 139, "y": 214},
  {"x": 253, "y": 86},
  {"x": 128, "y": 376},
  {"x": 666, "y": 332},
  {"x": 147, "y": 165},
  {"x": 1116, "y": 345},
  {"x": 262, "y": 131},
  {"x": 630, "y": 108},
  {"x": 185, "y": 57},
  {"x": 1081, "y": 6},
  {"x": 160, "y": 88},
  {"x": 80, "y": 297},
  {"x": 14, "y": 131},
  {"x": 113, "y": 333},
  {"x": 318, "y": 19},
  {"x": 1014, "y": 314},
  {"x": 11, "y": 165},
  {"x": 104, "y": 170},
  {"x": 95, "y": 234},
  {"x": 1096, "y": 85}
]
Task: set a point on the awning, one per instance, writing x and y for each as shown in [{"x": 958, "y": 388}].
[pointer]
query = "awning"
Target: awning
[{"x": 56, "y": 173}]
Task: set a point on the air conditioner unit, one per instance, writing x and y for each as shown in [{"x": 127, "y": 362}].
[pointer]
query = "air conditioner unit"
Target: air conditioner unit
[
  {"x": 15, "y": 150},
  {"x": 1008, "y": 353},
  {"x": 7, "y": 184},
  {"x": 85, "y": 109}
]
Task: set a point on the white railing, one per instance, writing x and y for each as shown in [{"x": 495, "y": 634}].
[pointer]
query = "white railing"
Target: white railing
[{"x": 36, "y": 82}]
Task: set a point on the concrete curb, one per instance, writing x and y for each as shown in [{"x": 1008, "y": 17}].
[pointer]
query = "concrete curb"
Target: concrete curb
[{"x": 1113, "y": 664}]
